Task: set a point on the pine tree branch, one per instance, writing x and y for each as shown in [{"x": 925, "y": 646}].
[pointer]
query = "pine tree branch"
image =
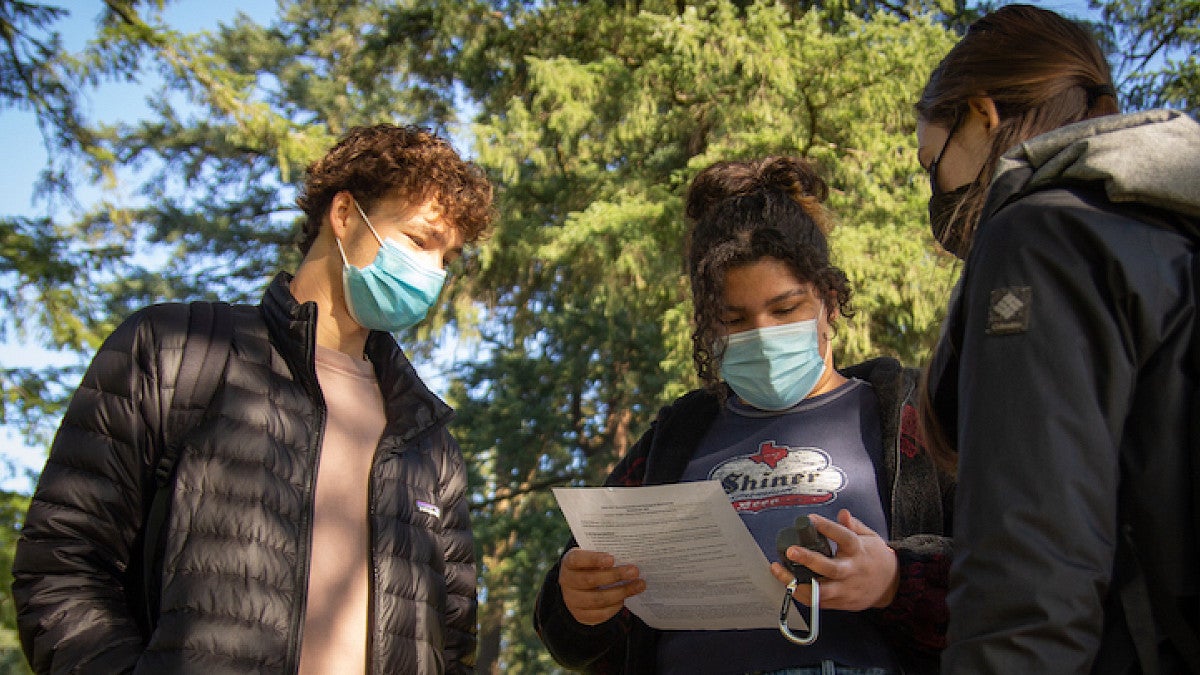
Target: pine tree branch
[{"x": 507, "y": 493}]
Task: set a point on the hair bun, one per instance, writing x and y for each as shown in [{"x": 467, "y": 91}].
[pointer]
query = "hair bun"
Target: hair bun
[{"x": 792, "y": 176}]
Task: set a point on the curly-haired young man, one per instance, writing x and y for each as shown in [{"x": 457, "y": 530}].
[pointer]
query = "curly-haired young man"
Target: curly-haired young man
[{"x": 318, "y": 521}]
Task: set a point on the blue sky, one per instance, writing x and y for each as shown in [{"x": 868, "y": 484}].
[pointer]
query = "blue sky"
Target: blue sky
[
  {"x": 112, "y": 102},
  {"x": 125, "y": 102},
  {"x": 26, "y": 157}
]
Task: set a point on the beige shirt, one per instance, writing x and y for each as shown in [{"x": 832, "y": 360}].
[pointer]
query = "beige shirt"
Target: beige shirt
[{"x": 335, "y": 621}]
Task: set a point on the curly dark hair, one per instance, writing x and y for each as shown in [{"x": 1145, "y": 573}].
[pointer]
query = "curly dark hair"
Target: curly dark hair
[
  {"x": 389, "y": 160},
  {"x": 740, "y": 212}
]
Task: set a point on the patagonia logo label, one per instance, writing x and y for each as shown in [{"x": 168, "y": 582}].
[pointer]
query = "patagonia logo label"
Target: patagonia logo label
[
  {"x": 1009, "y": 311},
  {"x": 429, "y": 509}
]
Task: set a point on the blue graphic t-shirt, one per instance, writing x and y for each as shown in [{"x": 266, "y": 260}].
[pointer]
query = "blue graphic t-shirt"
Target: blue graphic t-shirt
[{"x": 820, "y": 456}]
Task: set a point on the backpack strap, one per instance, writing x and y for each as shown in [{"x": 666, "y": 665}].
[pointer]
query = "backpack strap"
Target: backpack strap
[
  {"x": 201, "y": 369},
  {"x": 1147, "y": 604},
  {"x": 1134, "y": 593},
  {"x": 1193, "y": 655},
  {"x": 1144, "y": 599}
]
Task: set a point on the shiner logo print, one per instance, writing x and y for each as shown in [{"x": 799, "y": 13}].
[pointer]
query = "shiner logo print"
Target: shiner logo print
[{"x": 778, "y": 476}]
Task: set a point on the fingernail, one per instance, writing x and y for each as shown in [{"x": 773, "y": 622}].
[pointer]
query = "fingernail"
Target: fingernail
[{"x": 629, "y": 573}]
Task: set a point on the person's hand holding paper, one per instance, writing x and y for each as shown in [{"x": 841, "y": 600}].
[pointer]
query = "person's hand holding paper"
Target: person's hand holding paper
[
  {"x": 594, "y": 587},
  {"x": 678, "y": 556}
]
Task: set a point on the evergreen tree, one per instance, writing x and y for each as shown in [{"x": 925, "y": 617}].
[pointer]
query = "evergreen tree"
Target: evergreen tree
[
  {"x": 609, "y": 112},
  {"x": 12, "y": 513},
  {"x": 1156, "y": 45},
  {"x": 571, "y": 322}
]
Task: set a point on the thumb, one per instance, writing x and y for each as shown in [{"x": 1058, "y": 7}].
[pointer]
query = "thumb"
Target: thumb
[{"x": 854, "y": 524}]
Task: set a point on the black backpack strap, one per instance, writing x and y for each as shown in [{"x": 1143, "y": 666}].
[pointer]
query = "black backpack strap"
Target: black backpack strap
[
  {"x": 1145, "y": 597},
  {"x": 1135, "y": 600},
  {"x": 1147, "y": 603},
  {"x": 1185, "y": 638},
  {"x": 1150, "y": 608},
  {"x": 201, "y": 368}
]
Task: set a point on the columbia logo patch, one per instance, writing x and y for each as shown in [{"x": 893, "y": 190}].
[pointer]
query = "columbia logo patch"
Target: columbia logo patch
[
  {"x": 1008, "y": 311},
  {"x": 429, "y": 509}
]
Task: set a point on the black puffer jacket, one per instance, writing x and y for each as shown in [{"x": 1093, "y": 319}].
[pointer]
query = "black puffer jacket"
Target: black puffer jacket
[{"x": 235, "y": 569}]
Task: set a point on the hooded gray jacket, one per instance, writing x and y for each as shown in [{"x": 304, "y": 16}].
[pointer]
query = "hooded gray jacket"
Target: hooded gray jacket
[
  {"x": 235, "y": 566},
  {"x": 1067, "y": 377}
]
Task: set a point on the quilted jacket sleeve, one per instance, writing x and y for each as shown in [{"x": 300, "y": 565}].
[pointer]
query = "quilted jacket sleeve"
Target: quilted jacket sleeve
[
  {"x": 68, "y": 574},
  {"x": 459, "y": 551}
]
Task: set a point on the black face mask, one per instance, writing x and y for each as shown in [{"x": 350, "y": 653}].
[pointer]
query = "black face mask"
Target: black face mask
[
  {"x": 945, "y": 217},
  {"x": 948, "y": 229}
]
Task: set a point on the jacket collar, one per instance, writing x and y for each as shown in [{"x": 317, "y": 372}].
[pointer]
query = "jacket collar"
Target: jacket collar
[
  {"x": 292, "y": 327},
  {"x": 1137, "y": 158},
  {"x": 892, "y": 386},
  {"x": 411, "y": 408}
]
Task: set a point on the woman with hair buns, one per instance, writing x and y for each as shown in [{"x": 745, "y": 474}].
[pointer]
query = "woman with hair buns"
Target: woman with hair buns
[
  {"x": 1065, "y": 382},
  {"x": 766, "y": 298}
]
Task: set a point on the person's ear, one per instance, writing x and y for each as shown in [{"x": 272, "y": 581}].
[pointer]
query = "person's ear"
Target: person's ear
[
  {"x": 340, "y": 210},
  {"x": 985, "y": 109}
]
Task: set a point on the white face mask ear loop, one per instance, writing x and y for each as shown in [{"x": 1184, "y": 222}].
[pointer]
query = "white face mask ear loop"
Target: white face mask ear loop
[
  {"x": 828, "y": 332},
  {"x": 345, "y": 261},
  {"x": 367, "y": 221}
]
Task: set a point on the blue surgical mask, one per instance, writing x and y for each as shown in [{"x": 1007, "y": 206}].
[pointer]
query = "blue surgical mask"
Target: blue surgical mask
[
  {"x": 776, "y": 367},
  {"x": 395, "y": 291}
]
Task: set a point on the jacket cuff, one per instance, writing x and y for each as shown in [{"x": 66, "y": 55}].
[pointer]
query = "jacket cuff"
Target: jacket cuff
[
  {"x": 571, "y": 643},
  {"x": 918, "y": 612}
]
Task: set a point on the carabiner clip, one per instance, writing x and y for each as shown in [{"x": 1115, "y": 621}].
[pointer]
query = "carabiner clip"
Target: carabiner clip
[{"x": 813, "y": 626}]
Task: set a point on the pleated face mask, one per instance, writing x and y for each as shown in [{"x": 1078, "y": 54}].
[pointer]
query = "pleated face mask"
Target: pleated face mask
[
  {"x": 395, "y": 291},
  {"x": 776, "y": 367}
]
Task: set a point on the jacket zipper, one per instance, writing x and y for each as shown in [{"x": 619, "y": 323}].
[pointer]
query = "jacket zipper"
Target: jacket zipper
[
  {"x": 305, "y": 556},
  {"x": 372, "y": 579},
  {"x": 899, "y": 456}
]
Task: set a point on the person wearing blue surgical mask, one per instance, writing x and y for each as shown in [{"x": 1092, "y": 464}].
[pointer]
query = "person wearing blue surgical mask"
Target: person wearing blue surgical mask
[
  {"x": 402, "y": 282},
  {"x": 787, "y": 434},
  {"x": 318, "y": 506}
]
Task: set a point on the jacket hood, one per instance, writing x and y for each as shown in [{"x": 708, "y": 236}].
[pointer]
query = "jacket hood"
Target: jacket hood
[{"x": 1150, "y": 157}]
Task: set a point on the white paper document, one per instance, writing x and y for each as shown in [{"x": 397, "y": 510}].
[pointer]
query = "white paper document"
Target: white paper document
[{"x": 702, "y": 567}]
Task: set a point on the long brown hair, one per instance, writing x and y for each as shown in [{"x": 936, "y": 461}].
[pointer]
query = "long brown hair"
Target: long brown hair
[
  {"x": 740, "y": 212},
  {"x": 1043, "y": 72}
]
